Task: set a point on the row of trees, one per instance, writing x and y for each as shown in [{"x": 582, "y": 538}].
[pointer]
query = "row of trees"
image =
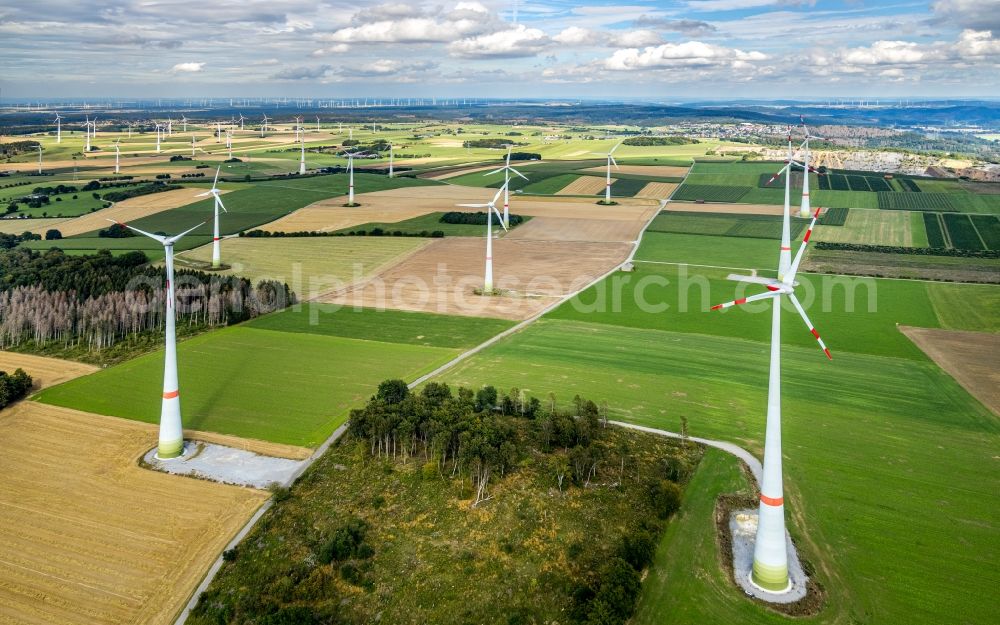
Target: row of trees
[
  {"x": 475, "y": 219},
  {"x": 99, "y": 300}
]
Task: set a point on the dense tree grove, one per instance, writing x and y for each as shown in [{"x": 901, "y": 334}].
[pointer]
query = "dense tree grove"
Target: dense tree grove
[
  {"x": 475, "y": 219},
  {"x": 99, "y": 300},
  {"x": 13, "y": 386},
  {"x": 657, "y": 141}
]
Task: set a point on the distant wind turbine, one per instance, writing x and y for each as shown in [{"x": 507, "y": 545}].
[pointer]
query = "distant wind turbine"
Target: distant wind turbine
[
  {"x": 40, "y": 159},
  {"x": 611, "y": 161},
  {"x": 805, "y": 208},
  {"x": 58, "y": 128},
  {"x": 491, "y": 208},
  {"x": 214, "y": 192},
  {"x": 770, "y": 560},
  {"x": 350, "y": 170},
  {"x": 118, "y": 154},
  {"x": 171, "y": 439},
  {"x": 184, "y": 121}
]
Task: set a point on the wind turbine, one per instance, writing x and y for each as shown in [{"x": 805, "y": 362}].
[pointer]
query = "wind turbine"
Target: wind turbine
[
  {"x": 184, "y": 120},
  {"x": 611, "y": 161},
  {"x": 770, "y": 559},
  {"x": 263, "y": 126},
  {"x": 158, "y": 131},
  {"x": 58, "y": 128},
  {"x": 390, "y": 161},
  {"x": 218, "y": 132},
  {"x": 491, "y": 207},
  {"x": 118, "y": 154},
  {"x": 171, "y": 440},
  {"x": 214, "y": 192},
  {"x": 40, "y": 160},
  {"x": 298, "y": 127},
  {"x": 506, "y": 169},
  {"x": 785, "y": 255},
  {"x": 317, "y": 123},
  {"x": 93, "y": 128},
  {"x": 170, "y": 127},
  {"x": 241, "y": 121},
  {"x": 302, "y": 158},
  {"x": 229, "y": 142},
  {"x": 86, "y": 132},
  {"x": 805, "y": 209},
  {"x": 350, "y": 170}
]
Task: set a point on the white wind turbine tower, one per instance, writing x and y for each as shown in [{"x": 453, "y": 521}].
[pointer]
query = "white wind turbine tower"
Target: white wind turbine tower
[
  {"x": 317, "y": 123},
  {"x": 171, "y": 440},
  {"x": 263, "y": 126},
  {"x": 770, "y": 561},
  {"x": 118, "y": 154},
  {"x": 390, "y": 161},
  {"x": 184, "y": 121},
  {"x": 491, "y": 207},
  {"x": 40, "y": 159},
  {"x": 298, "y": 127},
  {"x": 229, "y": 142},
  {"x": 611, "y": 161},
  {"x": 302, "y": 158},
  {"x": 350, "y": 170},
  {"x": 214, "y": 192},
  {"x": 785, "y": 255},
  {"x": 805, "y": 208},
  {"x": 93, "y": 128},
  {"x": 218, "y": 132},
  {"x": 241, "y": 121},
  {"x": 159, "y": 130},
  {"x": 58, "y": 128},
  {"x": 86, "y": 132},
  {"x": 170, "y": 127},
  {"x": 507, "y": 170}
]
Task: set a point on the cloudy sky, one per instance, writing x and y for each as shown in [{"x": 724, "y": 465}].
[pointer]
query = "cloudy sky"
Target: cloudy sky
[{"x": 666, "y": 49}]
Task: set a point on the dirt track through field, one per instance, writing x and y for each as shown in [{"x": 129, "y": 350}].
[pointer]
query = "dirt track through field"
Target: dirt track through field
[
  {"x": 969, "y": 357},
  {"x": 585, "y": 185},
  {"x": 45, "y": 372},
  {"x": 131, "y": 209},
  {"x": 92, "y": 538}
]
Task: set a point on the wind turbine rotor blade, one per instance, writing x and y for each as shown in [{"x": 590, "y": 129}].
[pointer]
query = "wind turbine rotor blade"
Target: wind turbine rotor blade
[
  {"x": 518, "y": 173},
  {"x": 217, "y": 170},
  {"x": 177, "y": 237},
  {"x": 155, "y": 237},
  {"x": 495, "y": 171},
  {"x": 747, "y": 300},
  {"x": 802, "y": 248},
  {"x": 218, "y": 198},
  {"x": 735, "y": 277},
  {"x": 499, "y": 193},
  {"x": 473, "y": 205},
  {"x": 812, "y": 329},
  {"x": 499, "y": 216},
  {"x": 205, "y": 194},
  {"x": 615, "y": 148},
  {"x": 614, "y": 162}
]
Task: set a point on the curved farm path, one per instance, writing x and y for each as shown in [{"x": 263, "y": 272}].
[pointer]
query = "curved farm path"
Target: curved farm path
[{"x": 744, "y": 456}]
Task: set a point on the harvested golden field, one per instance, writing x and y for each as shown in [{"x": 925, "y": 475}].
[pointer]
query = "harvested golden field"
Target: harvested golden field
[
  {"x": 442, "y": 276},
  {"x": 666, "y": 171},
  {"x": 92, "y": 538},
  {"x": 585, "y": 185},
  {"x": 17, "y": 226},
  {"x": 331, "y": 215},
  {"x": 44, "y": 371},
  {"x": 573, "y": 229},
  {"x": 969, "y": 357},
  {"x": 132, "y": 208},
  {"x": 658, "y": 190},
  {"x": 309, "y": 265},
  {"x": 721, "y": 207}
]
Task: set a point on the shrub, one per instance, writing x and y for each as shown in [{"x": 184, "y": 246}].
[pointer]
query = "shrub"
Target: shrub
[
  {"x": 392, "y": 391},
  {"x": 664, "y": 497},
  {"x": 53, "y": 235}
]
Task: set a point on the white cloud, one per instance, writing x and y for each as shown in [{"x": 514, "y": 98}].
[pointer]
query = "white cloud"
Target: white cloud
[
  {"x": 520, "y": 41},
  {"x": 406, "y": 24},
  {"x": 636, "y": 39},
  {"x": 671, "y": 55},
  {"x": 187, "y": 67},
  {"x": 885, "y": 53},
  {"x": 339, "y": 48},
  {"x": 975, "y": 44},
  {"x": 576, "y": 36}
]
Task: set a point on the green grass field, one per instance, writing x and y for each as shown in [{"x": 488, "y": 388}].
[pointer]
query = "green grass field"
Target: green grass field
[
  {"x": 873, "y": 227},
  {"x": 307, "y": 264},
  {"x": 665, "y": 247},
  {"x": 724, "y": 224},
  {"x": 285, "y": 387},
  {"x": 865, "y": 450},
  {"x": 390, "y": 326}
]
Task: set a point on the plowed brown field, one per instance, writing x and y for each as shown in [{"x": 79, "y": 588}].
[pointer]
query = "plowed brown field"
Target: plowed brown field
[{"x": 969, "y": 357}]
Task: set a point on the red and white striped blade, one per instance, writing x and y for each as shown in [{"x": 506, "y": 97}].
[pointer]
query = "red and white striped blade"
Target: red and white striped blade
[
  {"x": 812, "y": 329},
  {"x": 746, "y": 300}
]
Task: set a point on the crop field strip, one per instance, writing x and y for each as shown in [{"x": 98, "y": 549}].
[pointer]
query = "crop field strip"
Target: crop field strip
[
  {"x": 723, "y": 224},
  {"x": 939, "y": 202},
  {"x": 710, "y": 193}
]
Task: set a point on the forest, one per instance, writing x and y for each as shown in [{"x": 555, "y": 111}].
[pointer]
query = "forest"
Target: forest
[
  {"x": 92, "y": 302},
  {"x": 460, "y": 506}
]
